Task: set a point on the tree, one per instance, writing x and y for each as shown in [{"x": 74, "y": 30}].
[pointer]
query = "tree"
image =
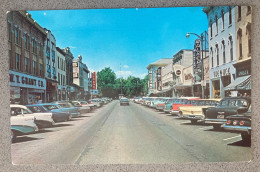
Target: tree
[{"x": 106, "y": 81}]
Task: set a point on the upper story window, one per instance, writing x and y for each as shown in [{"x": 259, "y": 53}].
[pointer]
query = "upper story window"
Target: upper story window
[
  {"x": 26, "y": 42},
  {"x": 231, "y": 48},
  {"x": 211, "y": 54},
  {"x": 40, "y": 70},
  {"x": 239, "y": 13},
  {"x": 53, "y": 55},
  {"x": 58, "y": 62},
  {"x": 248, "y": 10},
  {"x": 216, "y": 19},
  {"x": 34, "y": 67},
  {"x": 230, "y": 15},
  {"x": 48, "y": 52},
  {"x": 211, "y": 29},
  {"x": 224, "y": 53},
  {"x": 34, "y": 48},
  {"x": 17, "y": 34},
  {"x": 240, "y": 47},
  {"x": 18, "y": 61},
  {"x": 248, "y": 32},
  {"x": 217, "y": 53},
  {"x": 48, "y": 43},
  {"x": 26, "y": 64},
  {"x": 223, "y": 19}
]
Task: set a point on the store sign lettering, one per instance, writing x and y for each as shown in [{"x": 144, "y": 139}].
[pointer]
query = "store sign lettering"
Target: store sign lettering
[
  {"x": 25, "y": 80},
  {"x": 243, "y": 73},
  {"x": 221, "y": 72}
]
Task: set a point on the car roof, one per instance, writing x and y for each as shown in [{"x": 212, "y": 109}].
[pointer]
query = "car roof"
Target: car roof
[
  {"x": 42, "y": 104},
  {"x": 16, "y": 105}
]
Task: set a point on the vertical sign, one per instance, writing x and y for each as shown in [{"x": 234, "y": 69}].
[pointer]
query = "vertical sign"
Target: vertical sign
[
  {"x": 94, "y": 81},
  {"x": 197, "y": 60}
]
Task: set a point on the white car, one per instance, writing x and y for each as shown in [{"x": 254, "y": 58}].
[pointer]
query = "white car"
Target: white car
[
  {"x": 41, "y": 119},
  {"x": 21, "y": 125}
]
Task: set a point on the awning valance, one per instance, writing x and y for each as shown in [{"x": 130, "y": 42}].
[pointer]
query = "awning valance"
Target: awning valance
[{"x": 240, "y": 83}]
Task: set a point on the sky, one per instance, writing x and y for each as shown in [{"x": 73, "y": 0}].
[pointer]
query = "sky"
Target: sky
[{"x": 133, "y": 37}]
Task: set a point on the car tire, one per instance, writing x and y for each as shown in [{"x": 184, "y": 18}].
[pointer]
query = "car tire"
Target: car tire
[
  {"x": 194, "y": 121},
  {"x": 245, "y": 136},
  {"x": 13, "y": 136},
  {"x": 216, "y": 127}
]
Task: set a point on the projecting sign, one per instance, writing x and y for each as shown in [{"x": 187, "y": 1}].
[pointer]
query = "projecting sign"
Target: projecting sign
[
  {"x": 197, "y": 58},
  {"x": 94, "y": 81}
]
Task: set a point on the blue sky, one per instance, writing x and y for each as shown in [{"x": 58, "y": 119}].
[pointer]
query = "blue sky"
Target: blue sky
[{"x": 133, "y": 37}]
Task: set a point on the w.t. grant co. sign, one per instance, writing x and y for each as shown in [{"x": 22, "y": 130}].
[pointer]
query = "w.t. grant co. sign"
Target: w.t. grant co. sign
[{"x": 17, "y": 79}]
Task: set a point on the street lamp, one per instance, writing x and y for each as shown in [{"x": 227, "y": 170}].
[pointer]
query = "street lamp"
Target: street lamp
[{"x": 202, "y": 38}]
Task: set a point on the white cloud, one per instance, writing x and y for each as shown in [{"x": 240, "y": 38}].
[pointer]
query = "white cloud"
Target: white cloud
[
  {"x": 141, "y": 76},
  {"x": 123, "y": 74},
  {"x": 126, "y": 66}
]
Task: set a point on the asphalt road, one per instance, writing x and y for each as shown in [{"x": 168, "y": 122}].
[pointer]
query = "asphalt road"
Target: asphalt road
[{"x": 134, "y": 134}]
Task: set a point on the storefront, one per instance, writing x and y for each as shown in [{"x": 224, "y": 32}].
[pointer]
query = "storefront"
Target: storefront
[
  {"x": 62, "y": 93},
  {"x": 51, "y": 90},
  {"x": 26, "y": 89},
  {"x": 242, "y": 84},
  {"x": 220, "y": 77}
]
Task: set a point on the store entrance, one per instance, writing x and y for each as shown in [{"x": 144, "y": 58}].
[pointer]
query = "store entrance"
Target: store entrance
[{"x": 216, "y": 88}]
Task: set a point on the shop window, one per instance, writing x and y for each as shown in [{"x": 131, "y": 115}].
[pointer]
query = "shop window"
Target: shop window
[
  {"x": 231, "y": 48},
  {"x": 224, "y": 53},
  {"x": 239, "y": 13},
  {"x": 230, "y": 15},
  {"x": 216, "y": 19},
  {"x": 18, "y": 61},
  {"x": 223, "y": 20},
  {"x": 248, "y": 32},
  {"x": 240, "y": 48}
]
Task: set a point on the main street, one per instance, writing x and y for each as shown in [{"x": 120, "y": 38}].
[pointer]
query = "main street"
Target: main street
[{"x": 115, "y": 134}]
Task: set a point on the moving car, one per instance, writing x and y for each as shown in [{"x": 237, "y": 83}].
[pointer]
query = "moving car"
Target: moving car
[
  {"x": 42, "y": 120},
  {"x": 124, "y": 101},
  {"x": 227, "y": 106},
  {"x": 21, "y": 125},
  {"x": 194, "y": 113},
  {"x": 240, "y": 122},
  {"x": 58, "y": 114},
  {"x": 68, "y": 107}
]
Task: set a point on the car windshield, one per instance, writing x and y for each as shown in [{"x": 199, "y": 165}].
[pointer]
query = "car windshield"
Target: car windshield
[
  {"x": 51, "y": 107},
  {"x": 124, "y": 100},
  {"x": 35, "y": 109}
]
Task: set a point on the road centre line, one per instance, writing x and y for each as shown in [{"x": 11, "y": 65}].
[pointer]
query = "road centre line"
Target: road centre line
[{"x": 232, "y": 137}]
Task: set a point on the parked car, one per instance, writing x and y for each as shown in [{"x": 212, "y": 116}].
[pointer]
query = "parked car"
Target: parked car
[
  {"x": 168, "y": 105},
  {"x": 58, "y": 114},
  {"x": 42, "y": 120},
  {"x": 240, "y": 122},
  {"x": 96, "y": 102},
  {"x": 83, "y": 106},
  {"x": 124, "y": 101},
  {"x": 22, "y": 124},
  {"x": 183, "y": 101},
  {"x": 68, "y": 107},
  {"x": 194, "y": 113},
  {"x": 227, "y": 106},
  {"x": 161, "y": 104}
]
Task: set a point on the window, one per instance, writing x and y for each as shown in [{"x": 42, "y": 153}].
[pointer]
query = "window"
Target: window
[
  {"x": 48, "y": 52},
  {"x": 53, "y": 55},
  {"x": 239, "y": 36},
  {"x": 239, "y": 13},
  {"x": 59, "y": 78},
  {"x": 216, "y": 19},
  {"x": 17, "y": 34},
  {"x": 211, "y": 29},
  {"x": 224, "y": 53},
  {"x": 54, "y": 72},
  {"x": 10, "y": 59},
  {"x": 40, "y": 70},
  {"x": 223, "y": 20},
  {"x": 58, "y": 62},
  {"x": 217, "y": 52},
  {"x": 231, "y": 48},
  {"x": 18, "y": 61},
  {"x": 211, "y": 53},
  {"x": 9, "y": 32},
  {"x": 26, "y": 63},
  {"x": 34, "y": 46},
  {"x": 230, "y": 16},
  {"x": 34, "y": 67},
  {"x": 248, "y": 32},
  {"x": 48, "y": 71},
  {"x": 48, "y": 43}
]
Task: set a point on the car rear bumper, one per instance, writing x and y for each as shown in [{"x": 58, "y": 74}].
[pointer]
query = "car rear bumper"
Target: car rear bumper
[
  {"x": 237, "y": 128},
  {"x": 188, "y": 116},
  {"x": 215, "y": 121}
]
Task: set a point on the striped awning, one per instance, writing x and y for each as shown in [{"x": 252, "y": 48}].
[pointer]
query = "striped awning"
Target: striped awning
[{"x": 240, "y": 83}]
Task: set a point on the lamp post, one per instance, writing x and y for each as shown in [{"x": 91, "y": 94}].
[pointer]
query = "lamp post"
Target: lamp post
[{"x": 203, "y": 38}]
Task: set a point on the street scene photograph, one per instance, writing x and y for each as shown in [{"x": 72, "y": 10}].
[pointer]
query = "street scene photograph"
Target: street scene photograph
[{"x": 130, "y": 85}]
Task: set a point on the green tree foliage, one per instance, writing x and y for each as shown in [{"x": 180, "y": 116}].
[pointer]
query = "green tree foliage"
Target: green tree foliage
[{"x": 110, "y": 86}]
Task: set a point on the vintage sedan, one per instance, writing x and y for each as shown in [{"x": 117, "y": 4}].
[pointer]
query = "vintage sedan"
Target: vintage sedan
[
  {"x": 96, "y": 102},
  {"x": 124, "y": 101},
  {"x": 241, "y": 123},
  {"x": 161, "y": 104},
  {"x": 58, "y": 114},
  {"x": 42, "y": 120},
  {"x": 168, "y": 105},
  {"x": 183, "y": 101},
  {"x": 227, "y": 106},
  {"x": 84, "y": 107},
  {"x": 21, "y": 125},
  {"x": 66, "y": 106},
  {"x": 194, "y": 113}
]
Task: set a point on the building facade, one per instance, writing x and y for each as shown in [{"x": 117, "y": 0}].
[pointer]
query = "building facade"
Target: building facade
[
  {"x": 51, "y": 67},
  {"x": 167, "y": 80},
  {"x": 62, "y": 93},
  {"x": 222, "y": 48},
  {"x": 26, "y": 40}
]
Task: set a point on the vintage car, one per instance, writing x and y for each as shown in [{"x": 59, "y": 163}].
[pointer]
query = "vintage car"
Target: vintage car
[
  {"x": 168, "y": 105},
  {"x": 42, "y": 120},
  {"x": 241, "y": 123},
  {"x": 194, "y": 113},
  {"x": 96, "y": 102},
  {"x": 83, "y": 106},
  {"x": 124, "y": 101},
  {"x": 58, "y": 114},
  {"x": 161, "y": 104},
  {"x": 226, "y": 107},
  {"x": 149, "y": 101},
  {"x": 21, "y": 125},
  {"x": 66, "y": 106},
  {"x": 183, "y": 101}
]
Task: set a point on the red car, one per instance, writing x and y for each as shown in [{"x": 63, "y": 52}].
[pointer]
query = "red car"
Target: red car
[{"x": 183, "y": 101}]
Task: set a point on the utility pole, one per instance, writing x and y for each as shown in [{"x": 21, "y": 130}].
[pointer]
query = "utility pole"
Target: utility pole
[{"x": 120, "y": 80}]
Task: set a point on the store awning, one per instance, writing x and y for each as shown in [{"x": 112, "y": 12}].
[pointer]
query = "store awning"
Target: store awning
[
  {"x": 240, "y": 83},
  {"x": 164, "y": 91}
]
